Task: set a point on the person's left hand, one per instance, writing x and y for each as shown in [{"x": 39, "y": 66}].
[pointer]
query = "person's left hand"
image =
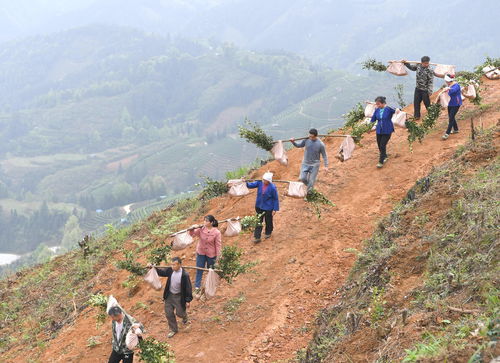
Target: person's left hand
[
  {"x": 187, "y": 304},
  {"x": 274, "y": 212},
  {"x": 325, "y": 168}
]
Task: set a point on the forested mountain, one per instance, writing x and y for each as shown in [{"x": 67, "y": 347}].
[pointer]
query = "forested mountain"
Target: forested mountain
[{"x": 339, "y": 33}]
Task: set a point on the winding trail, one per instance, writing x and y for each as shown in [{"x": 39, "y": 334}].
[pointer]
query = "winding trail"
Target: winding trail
[{"x": 299, "y": 268}]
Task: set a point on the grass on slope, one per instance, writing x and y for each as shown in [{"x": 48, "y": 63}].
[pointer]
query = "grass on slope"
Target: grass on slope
[{"x": 443, "y": 236}]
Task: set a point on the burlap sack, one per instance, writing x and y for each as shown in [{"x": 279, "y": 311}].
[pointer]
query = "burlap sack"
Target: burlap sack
[
  {"x": 397, "y": 68},
  {"x": 181, "y": 241},
  {"x": 346, "y": 149},
  {"x": 153, "y": 279},
  {"x": 297, "y": 189},
  {"x": 399, "y": 118},
  {"x": 370, "y": 109},
  {"x": 443, "y": 69},
  {"x": 491, "y": 72},
  {"x": 132, "y": 338},
  {"x": 279, "y": 153},
  {"x": 233, "y": 228},
  {"x": 211, "y": 283},
  {"x": 237, "y": 188},
  {"x": 469, "y": 91},
  {"x": 443, "y": 99}
]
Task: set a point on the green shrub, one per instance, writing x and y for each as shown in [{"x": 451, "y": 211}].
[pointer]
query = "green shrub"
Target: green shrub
[
  {"x": 374, "y": 65},
  {"x": 130, "y": 265},
  {"x": 254, "y": 134},
  {"x": 230, "y": 264},
  {"x": 249, "y": 223},
  {"x": 213, "y": 188},
  {"x": 354, "y": 116},
  {"x": 154, "y": 351}
]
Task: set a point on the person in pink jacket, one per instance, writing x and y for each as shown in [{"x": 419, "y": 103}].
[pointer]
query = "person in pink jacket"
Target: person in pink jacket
[{"x": 209, "y": 246}]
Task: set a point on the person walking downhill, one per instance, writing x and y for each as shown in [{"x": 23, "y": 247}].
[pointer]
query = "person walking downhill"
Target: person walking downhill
[
  {"x": 208, "y": 249},
  {"x": 177, "y": 294},
  {"x": 383, "y": 114},
  {"x": 455, "y": 93},
  {"x": 314, "y": 148},
  {"x": 120, "y": 325},
  {"x": 423, "y": 90},
  {"x": 266, "y": 204}
]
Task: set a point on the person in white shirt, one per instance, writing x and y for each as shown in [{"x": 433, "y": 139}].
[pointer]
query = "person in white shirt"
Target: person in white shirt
[
  {"x": 177, "y": 295},
  {"x": 120, "y": 325}
]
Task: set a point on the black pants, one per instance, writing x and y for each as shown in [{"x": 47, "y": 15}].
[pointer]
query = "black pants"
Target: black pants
[
  {"x": 382, "y": 140},
  {"x": 117, "y": 358},
  {"x": 452, "y": 122},
  {"x": 418, "y": 97},
  {"x": 268, "y": 217}
]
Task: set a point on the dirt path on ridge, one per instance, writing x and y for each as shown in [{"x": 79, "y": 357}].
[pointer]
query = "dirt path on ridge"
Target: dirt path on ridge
[{"x": 300, "y": 266}]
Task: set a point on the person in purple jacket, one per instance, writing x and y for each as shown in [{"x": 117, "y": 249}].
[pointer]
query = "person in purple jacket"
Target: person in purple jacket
[
  {"x": 455, "y": 93},
  {"x": 383, "y": 114},
  {"x": 266, "y": 205}
]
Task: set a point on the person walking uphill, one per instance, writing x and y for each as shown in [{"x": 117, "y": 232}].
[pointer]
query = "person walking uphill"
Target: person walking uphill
[
  {"x": 455, "y": 93},
  {"x": 177, "y": 294},
  {"x": 424, "y": 87},
  {"x": 314, "y": 149},
  {"x": 266, "y": 204},
  {"x": 208, "y": 249},
  {"x": 383, "y": 114},
  {"x": 120, "y": 326}
]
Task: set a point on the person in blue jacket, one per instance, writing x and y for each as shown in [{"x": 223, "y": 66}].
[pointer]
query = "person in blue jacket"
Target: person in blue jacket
[
  {"x": 383, "y": 114},
  {"x": 266, "y": 204},
  {"x": 455, "y": 93}
]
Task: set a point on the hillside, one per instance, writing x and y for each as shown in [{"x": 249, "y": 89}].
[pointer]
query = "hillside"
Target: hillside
[{"x": 268, "y": 314}]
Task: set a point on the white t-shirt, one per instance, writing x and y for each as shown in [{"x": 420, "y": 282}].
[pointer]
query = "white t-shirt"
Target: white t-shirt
[
  {"x": 175, "y": 281},
  {"x": 118, "y": 329}
]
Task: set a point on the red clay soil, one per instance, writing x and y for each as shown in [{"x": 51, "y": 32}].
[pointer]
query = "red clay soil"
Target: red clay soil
[{"x": 299, "y": 267}]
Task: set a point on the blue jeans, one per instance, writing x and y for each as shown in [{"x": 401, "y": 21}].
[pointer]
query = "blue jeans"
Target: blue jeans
[
  {"x": 308, "y": 174},
  {"x": 204, "y": 262}
]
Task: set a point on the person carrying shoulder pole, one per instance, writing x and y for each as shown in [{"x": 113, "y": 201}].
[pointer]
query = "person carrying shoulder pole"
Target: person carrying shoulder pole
[
  {"x": 314, "y": 149},
  {"x": 208, "y": 248},
  {"x": 383, "y": 114},
  {"x": 177, "y": 294},
  {"x": 120, "y": 325},
  {"x": 266, "y": 204},
  {"x": 423, "y": 90},
  {"x": 455, "y": 93}
]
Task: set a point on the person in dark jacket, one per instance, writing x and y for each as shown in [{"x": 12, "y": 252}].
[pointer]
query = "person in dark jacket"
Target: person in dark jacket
[
  {"x": 120, "y": 325},
  {"x": 424, "y": 86},
  {"x": 383, "y": 114},
  {"x": 455, "y": 93},
  {"x": 177, "y": 295},
  {"x": 266, "y": 204}
]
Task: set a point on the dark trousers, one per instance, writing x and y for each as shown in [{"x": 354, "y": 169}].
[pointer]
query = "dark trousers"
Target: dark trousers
[
  {"x": 382, "y": 140},
  {"x": 173, "y": 303},
  {"x": 117, "y": 357},
  {"x": 418, "y": 97},
  {"x": 266, "y": 215},
  {"x": 452, "y": 122},
  {"x": 202, "y": 261}
]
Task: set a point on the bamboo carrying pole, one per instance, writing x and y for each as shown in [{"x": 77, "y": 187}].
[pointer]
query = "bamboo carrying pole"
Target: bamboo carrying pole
[
  {"x": 412, "y": 62},
  {"x": 303, "y": 138},
  {"x": 274, "y": 181},
  {"x": 192, "y": 267},
  {"x": 199, "y": 226}
]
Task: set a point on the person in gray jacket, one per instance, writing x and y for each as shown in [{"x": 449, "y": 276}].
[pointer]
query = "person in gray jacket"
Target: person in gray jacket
[{"x": 314, "y": 149}]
